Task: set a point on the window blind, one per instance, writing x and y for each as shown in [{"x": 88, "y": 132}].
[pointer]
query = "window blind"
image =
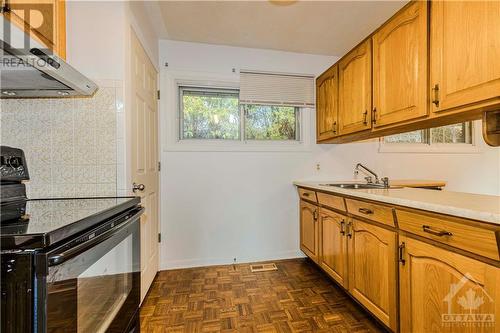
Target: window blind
[{"x": 276, "y": 89}]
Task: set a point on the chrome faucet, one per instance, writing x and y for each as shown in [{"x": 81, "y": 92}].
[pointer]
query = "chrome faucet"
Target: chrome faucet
[{"x": 370, "y": 175}]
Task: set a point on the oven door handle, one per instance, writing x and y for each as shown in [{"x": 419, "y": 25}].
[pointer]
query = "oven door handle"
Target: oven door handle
[{"x": 60, "y": 257}]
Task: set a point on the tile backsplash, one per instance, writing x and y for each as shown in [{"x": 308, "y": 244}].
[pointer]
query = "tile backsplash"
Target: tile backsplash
[{"x": 70, "y": 144}]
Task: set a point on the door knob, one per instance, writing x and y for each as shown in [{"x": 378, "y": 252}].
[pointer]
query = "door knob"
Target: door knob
[{"x": 138, "y": 187}]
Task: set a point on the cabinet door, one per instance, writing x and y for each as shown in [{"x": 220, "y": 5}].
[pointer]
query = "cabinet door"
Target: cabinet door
[
  {"x": 355, "y": 92},
  {"x": 333, "y": 258},
  {"x": 400, "y": 67},
  {"x": 441, "y": 291},
  {"x": 372, "y": 269},
  {"x": 309, "y": 237},
  {"x": 327, "y": 104},
  {"x": 465, "y": 53},
  {"x": 44, "y": 20}
]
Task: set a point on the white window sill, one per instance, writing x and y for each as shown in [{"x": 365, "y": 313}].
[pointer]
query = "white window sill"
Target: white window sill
[
  {"x": 237, "y": 146},
  {"x": 423, "y": 148}
]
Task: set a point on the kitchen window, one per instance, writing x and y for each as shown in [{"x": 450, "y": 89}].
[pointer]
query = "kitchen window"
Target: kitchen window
[
  {"x": 207, "y": 113},
  {"x": 457, "y": 138},
  {"x": 216, "y": 114}
]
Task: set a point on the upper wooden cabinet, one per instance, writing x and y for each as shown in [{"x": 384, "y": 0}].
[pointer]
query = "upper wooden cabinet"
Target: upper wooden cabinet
[
  {"x": 465, "y": 54},
  {"x": 44, "y": 20},
  {"x": 400, "y": 67},
  {"x": 441, "y": 291},
  {"x": 435, "y": 63},
  {"x": 309, "y": 230},
  {"x": 355, "y": 92},
  {"x": 327, "y": 104}
]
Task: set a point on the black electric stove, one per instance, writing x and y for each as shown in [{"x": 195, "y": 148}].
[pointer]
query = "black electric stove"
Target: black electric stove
[{"x": 62, "y": 259}]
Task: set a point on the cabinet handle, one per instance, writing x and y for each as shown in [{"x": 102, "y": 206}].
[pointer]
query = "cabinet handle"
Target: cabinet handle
[
  {"x": 365, "y": 115},
  {"x": 315, "y": 215},
  {"x": 401, "y": 249},
  {"x": 365, "y": 211},
  {"x": 374, "y": 116},
  {"x": 439, "y": 233},
  {"x": 435, "y": 90},
  {"x": 334, "y": 127},
  {"x": 305, "y": 194},
  {"x": 349, "y": 229},
  {"x": 5, "y": 7},
  {"x": 342, "y": 227}
]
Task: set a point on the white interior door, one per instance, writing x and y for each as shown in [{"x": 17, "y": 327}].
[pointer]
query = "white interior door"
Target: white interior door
[{"x": 144, "y": 156}]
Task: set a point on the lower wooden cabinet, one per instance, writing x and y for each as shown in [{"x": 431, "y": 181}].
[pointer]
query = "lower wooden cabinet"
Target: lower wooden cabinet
[
  {"x": 361, "y": 257},
  {"x": 442, "y": 291},
  {"x": 309, "y": 230},
  {"x": 333, "y": 244},
  {"x": 372, "y": 269}
]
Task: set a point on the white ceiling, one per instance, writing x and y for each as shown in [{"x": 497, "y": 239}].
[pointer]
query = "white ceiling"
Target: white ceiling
[{"x": 316, "y": 27}]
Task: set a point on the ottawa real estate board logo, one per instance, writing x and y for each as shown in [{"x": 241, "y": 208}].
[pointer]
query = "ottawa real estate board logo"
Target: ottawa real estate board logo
[
  {"x": 36, "y": 19},
  {"x": 468, "y": 305}
]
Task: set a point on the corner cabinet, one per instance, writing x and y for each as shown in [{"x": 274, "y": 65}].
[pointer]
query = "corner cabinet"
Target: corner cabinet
[
  {"x": 400, "y": 67},
  {"x": 355, "y": 92},
  {"x": 309, "y": 230},
  {"x": 327, "y": 104},
  {"x": 46, "y": 22},
  {"x": 442, "y": 291},
  {"x": 372, "y": 270},
  {"x": 465, "y": 53}
]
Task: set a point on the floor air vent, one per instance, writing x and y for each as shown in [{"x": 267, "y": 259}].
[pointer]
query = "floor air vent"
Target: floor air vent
[{"x": 263, "y": 268}]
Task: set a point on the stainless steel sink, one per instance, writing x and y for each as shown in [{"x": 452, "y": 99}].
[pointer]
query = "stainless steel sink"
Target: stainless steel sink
[{"x": 356, "y": 186}]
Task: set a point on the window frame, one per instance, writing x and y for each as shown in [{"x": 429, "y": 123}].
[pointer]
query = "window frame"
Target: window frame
[
  {"x": 241, "y": 111},
  {"x": 438, "y": 148},
  {"x": 170, "y": 81}
]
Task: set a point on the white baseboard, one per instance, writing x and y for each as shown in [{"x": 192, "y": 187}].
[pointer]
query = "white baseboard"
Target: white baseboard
[{"x": 201, "y": 262}]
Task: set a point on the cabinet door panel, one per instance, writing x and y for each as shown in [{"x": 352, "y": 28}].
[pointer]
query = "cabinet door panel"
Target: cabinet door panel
[
  {"x": 400, "y": 67},
  {"x": 333, "y": 245},
  {"x": 372, "y": 270},
  {"x": 309, "y": 230},
  {"x": 44, "y": 20},
  {"x": 441, "y": 291},
  {"x": 465, "y": 48},
  {"x": 327, "y": 104},
  {"x": 355, "y": 90}
]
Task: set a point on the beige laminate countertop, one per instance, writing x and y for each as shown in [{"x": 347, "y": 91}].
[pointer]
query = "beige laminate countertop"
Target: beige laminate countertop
[
  {"x": 467, "y": 205},
  {"x": 417, "y": 183}
]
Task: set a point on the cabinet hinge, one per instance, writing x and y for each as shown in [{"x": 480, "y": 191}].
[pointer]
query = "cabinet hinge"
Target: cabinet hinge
[
  {"x": 159, "y": 238},
  {"x": 158, "y": 94},
  {"x": 159, "y": 166}
]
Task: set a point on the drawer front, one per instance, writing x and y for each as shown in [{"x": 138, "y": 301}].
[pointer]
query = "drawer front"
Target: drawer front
[
  {"x": 449, "y": 231},
  {"x": 331, "y": 201},
  {"x": 307, "y": 195},
  {"x": 371, "y": 211}
]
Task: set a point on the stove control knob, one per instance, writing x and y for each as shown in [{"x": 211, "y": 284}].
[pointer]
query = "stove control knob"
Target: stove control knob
[{"x": 14, "y": 162}]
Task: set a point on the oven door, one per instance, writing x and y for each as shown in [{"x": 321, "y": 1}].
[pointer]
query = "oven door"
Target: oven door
[{"x": 92, "y": 283}]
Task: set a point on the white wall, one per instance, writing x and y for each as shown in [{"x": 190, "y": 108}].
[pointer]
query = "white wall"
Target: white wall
[
  {"x": 96, "y": 46},
  {"x": 217, "y": 206}
]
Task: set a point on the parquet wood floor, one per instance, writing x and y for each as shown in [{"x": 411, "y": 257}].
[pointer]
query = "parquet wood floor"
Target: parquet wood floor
[{"x": 298, "y": 297}]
